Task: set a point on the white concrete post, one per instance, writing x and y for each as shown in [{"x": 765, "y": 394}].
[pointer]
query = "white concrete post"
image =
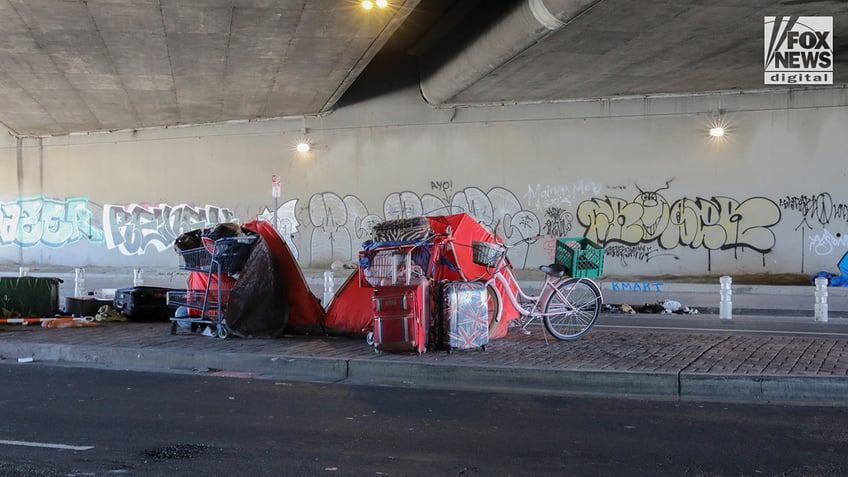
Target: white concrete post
[
  {"x": 821, "y": 300},
  {"x": 329, "y": 287},
  {"x": 23, "y": 271},
  {"x": 725, "y": 310},
  {"x": 138, "y": 277},
  {"x": 79, "y": 282}
]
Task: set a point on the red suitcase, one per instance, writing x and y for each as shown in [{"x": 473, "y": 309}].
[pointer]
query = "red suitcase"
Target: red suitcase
[{"x": 401, "y": 317}]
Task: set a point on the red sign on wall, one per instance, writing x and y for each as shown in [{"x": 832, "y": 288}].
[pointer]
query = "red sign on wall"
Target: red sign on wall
[{"x": 275, "y": 186}]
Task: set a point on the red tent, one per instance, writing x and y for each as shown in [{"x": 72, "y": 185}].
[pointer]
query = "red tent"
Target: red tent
[
  {"x": 279, "y": 278},
  {"x": 350, "y": 311}
]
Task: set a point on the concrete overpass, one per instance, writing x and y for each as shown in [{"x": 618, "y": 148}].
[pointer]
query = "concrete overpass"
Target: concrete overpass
[
  {"x": 128, "y": 122},
  {"x": 105, "y": 65}
]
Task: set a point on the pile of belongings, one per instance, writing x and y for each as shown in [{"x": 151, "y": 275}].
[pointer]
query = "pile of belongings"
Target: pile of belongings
[{"x": 664, "y": 307}]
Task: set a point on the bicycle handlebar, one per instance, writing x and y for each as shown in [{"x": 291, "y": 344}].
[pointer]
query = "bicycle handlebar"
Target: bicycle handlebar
[{"x": 529, "y": 240}]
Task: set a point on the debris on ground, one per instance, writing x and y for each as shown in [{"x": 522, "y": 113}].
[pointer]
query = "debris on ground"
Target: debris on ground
[
  {"x": 660, "y": 307},
  {"x": 107, "y": 313},
  {"x": 69, "y": 323}
]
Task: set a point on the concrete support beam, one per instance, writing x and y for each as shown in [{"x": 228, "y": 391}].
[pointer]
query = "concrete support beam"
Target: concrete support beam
[{"x": 522, "y": 27}]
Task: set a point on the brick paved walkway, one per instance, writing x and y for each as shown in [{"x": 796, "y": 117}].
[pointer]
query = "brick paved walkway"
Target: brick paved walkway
[{"x": 600, "y": 350}]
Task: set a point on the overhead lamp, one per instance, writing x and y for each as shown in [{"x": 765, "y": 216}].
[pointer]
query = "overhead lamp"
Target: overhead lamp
[
  {"x": 303, "y": 144},
  {"x": 368, "y": 4},
  {"x": 718, "y": 124}
]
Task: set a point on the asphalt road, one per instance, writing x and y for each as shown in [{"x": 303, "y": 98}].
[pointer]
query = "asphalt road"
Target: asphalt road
[{"x": 60, "y": 421}]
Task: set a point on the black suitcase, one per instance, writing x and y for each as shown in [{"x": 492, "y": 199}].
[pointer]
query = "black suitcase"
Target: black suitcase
[{"x": 144, "y": 303}]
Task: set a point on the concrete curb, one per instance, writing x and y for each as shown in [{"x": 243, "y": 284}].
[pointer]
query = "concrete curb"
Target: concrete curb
[
  {"x": 311, "y": 369},
  {"x": 759, "y": 388},
  {"x": 508, "y": 378},
  {"x": 386, "y": 372}
]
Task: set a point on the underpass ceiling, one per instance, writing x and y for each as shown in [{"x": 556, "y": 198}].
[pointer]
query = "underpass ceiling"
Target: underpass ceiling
[{"x": 98, "y": 65}]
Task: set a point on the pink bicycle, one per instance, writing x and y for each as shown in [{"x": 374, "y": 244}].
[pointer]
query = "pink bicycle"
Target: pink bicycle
[{"x": 567, "y": 306}]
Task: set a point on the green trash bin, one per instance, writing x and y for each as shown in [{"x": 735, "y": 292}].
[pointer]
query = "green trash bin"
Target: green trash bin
[{"x": 31, "y": 297}]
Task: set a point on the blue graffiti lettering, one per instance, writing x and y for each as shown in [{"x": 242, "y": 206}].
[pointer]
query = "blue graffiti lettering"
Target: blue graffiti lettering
[{"x": 49, "y": 222}]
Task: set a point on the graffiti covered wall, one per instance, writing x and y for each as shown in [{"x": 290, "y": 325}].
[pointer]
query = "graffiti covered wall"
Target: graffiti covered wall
[{"x": 654, "y": 189}]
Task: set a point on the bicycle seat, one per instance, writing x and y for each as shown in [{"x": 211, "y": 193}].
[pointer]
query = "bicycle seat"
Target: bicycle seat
[{"x": 555, "y": 270}]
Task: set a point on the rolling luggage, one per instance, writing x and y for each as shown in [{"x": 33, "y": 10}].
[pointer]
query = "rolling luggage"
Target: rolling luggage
[
  {"x": 463, "y": 319},
  {"x": 143, "y": 303},
  {"x": 401, "y": 317},
  {"x": 30, "y": 296}
]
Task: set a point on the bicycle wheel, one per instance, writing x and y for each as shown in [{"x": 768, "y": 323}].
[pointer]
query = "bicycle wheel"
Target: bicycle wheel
[
  {"x": 495, "y": 309},
  {"x": 572, "y": 308}
]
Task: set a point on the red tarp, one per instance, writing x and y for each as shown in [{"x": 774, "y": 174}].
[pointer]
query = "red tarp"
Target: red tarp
[
  {"x": 198, "y": 281},
  {"x": 350, "y": 311}
]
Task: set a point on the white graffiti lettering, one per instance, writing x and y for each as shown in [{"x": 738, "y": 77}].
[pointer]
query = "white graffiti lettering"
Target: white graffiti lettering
[
  {"x": 134, "y": 227},
  {"x": 826, "y": 242},
  {"x": 543, "y": 196}
]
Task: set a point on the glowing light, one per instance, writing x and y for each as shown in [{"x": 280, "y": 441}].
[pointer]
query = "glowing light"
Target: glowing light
[
  {"x": 368, "y": 4},
  {"x": 303, "y": 147},
  {"x": 717, "y": 131}
]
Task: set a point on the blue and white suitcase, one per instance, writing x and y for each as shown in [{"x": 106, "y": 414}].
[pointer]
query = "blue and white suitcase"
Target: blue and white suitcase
[{"x": 464, "y": 315}]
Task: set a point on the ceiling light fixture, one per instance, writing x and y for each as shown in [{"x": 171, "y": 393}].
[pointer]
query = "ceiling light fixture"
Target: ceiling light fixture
[
  {"x": 368, "y": 4},
  {"x": 718, "y": 124},
  {"x": 303, "y": 145}
]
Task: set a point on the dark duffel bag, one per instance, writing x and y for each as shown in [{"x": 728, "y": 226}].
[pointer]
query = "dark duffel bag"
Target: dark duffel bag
[
  {"x": 84, "y": 305},
  {"x": 144, "y": 303}
]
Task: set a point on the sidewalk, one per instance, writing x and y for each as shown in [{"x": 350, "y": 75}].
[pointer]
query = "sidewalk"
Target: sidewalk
[{"x": 668, "y": 362}]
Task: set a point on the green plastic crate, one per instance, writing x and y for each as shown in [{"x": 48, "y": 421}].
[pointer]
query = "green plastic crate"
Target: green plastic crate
[{"x": 580, "y": 256}]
